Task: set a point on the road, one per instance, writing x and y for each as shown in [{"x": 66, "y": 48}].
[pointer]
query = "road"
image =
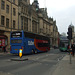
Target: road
[{"x": 37, "y": 64}]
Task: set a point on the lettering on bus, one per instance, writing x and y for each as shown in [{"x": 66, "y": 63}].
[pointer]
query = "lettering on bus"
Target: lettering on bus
[
  {"x": 30, "y": 43},
  {"x": 16, "y": 34},
  {"x": 45, "y": 41}
]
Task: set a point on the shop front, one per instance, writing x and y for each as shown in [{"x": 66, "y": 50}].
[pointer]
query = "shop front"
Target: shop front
[{"x": 3, "y": 42}]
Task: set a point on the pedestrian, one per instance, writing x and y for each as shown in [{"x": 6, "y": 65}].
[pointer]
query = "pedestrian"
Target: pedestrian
[
  {"x": 4, "y": 49},
  {"x": 73, "y": 48},
  {"x": 68, "y": 48}
]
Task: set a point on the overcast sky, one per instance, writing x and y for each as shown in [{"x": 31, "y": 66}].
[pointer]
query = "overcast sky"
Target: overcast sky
[{"x": 63, "y": 11}]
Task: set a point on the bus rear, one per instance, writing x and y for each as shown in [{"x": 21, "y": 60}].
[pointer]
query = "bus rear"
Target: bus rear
[{"x": 16, "y": 42}]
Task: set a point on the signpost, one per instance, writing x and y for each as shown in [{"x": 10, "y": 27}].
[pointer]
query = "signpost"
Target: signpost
[
  {"x": 70, "y": 52},
  {"x": 69, "y": 37}
]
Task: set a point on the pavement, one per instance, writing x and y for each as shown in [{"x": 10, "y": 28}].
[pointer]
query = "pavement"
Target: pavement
[
  {"x": 64, "y": 67},
  {"x": 6, "y": 53}
]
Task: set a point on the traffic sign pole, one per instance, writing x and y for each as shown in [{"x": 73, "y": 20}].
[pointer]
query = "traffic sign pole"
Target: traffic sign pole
[
  {"x": 70, "y": 53},
  {"x": 70, "y": 37}
]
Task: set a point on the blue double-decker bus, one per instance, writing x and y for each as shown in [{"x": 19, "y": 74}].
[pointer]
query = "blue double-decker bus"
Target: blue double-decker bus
[{"x": 28, "y": 42}]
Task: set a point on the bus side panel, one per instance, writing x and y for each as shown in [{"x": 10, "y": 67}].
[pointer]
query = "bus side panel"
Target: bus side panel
[
  {"x": 29, "y": 45},
  {"x": 41, "y": 42}
]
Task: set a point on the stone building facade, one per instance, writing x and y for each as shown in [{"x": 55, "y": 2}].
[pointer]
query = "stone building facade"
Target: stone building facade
[
  {"x": 55, "y": 34},
  {"x": 8, "y": 19},
  {"x": 23, "y": 15},
  {"x": 20, "y": 15}
]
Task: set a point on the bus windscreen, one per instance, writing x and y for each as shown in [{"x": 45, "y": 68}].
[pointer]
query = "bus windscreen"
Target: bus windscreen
[{"x": 16, "y": 41}]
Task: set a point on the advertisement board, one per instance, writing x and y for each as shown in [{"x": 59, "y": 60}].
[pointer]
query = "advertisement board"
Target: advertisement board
[{"x": 3, "y": 42}]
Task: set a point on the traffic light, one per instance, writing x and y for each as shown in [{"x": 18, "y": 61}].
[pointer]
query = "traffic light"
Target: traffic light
[{"x": 69, "y": 33}]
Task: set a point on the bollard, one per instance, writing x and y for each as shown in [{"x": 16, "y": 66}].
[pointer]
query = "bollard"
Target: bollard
[{"x": 20, "y": 53}]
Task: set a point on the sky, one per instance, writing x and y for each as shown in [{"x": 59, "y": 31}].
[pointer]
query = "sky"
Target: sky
[{"x": 63, "y": 11}]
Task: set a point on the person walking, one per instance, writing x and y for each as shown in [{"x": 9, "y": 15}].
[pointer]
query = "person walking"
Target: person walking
[
  {"x": 4, "y": 49},
  {"x": 68, "y": 48},
  {"x": 73, "y": 48}
]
